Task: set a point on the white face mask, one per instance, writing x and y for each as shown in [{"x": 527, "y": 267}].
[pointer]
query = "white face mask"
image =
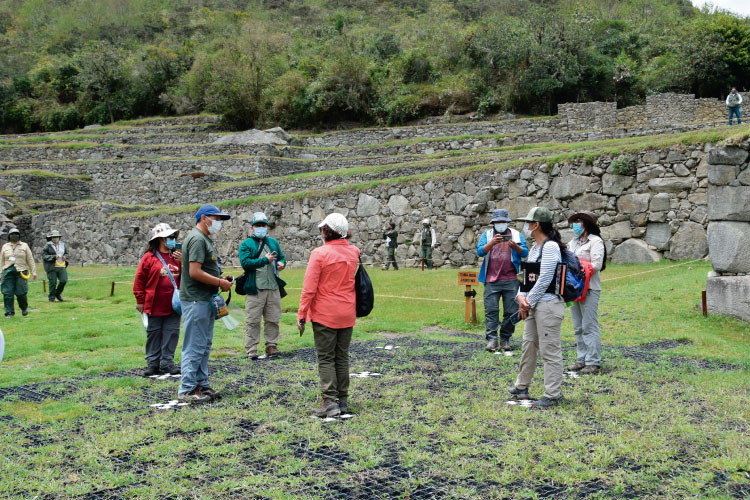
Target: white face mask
[
  {"x": 526, "y": 230},
  {"x": 215, "y": 226},
  {"x": 501, "y": 227}
]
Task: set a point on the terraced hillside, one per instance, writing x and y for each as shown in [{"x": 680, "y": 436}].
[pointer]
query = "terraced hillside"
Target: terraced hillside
[{"x": 104, "y": 187}]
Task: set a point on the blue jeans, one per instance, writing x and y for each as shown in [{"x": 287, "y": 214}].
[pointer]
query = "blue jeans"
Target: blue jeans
[
  {"x": 493, "y": 292},
  {"x": 198, "y": 325},
  {"x": 735, "y": 111}
]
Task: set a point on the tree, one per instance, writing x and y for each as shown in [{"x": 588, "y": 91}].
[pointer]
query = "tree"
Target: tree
[{"x": 103, "y": 73}]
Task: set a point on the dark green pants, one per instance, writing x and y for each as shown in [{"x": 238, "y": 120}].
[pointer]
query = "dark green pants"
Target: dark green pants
[
  {"x": 427, "y": 256},
  {"x": 14, "y": 284},
  {"x": 332, "y": 345},
  {"x": 57, "y": 279},
  {"x": 391, "y": 258}
]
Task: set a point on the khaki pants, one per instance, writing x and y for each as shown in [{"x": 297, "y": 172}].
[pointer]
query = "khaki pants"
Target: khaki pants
[
  {"x": 267, "y": 305},
  {"x": 332, "y": 345},
  {"x": 542, "y": 332}
]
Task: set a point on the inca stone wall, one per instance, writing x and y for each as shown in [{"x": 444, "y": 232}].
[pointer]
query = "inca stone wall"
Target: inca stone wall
[
  {"x": 34, "y": 187},
  {"x": 597, "y": 115},
  {"x": 728, "y": 286},
  {"x": 656, "y": 208}
]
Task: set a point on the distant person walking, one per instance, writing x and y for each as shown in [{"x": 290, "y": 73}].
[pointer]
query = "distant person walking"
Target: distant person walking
[
  {"x": 734, "y": 101},
  {"x": 391, "y": 242},
  {"x": 55, "y": 259},
  {"x": 201, "y": 280},
  {"x": 17, "y": 264},
  {"x": 502, "y": 248},
  {"x": 153, "y": 290},
  {"x": 429, "y": 241}
]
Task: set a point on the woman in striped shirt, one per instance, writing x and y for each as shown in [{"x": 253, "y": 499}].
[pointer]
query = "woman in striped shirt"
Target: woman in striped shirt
[{"x": 543, "y": 312}]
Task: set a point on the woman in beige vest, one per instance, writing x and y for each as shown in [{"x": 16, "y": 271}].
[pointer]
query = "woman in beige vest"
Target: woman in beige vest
[{"x": 17, "y": 264}]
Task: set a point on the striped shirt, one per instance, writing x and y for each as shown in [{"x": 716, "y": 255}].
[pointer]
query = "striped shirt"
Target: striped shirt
[{"x": 550, "y": 257}]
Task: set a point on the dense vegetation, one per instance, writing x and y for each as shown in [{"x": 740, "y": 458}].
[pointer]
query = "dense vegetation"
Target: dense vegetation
[{"x": 312, "y": 63}]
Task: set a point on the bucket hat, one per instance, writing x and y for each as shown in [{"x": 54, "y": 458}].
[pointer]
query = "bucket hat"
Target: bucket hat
[
  {"x": 162, "y": 230},
  {"x": 54, "y": 233},
  {"x": 500, "y": 215}
]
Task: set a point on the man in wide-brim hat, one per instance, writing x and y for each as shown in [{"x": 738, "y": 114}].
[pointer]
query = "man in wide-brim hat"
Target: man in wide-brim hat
[
  {"x": 55, "y": 260},
  {"x": 17, "y": 264}
]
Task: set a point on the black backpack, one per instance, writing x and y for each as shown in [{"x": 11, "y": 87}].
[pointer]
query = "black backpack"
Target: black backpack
[
  {"x": 364, "y": 292},
  {"x": 569, "y": 276}
]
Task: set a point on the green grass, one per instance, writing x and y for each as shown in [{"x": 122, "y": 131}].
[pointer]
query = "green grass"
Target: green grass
[{"x": 642, "y": 429}]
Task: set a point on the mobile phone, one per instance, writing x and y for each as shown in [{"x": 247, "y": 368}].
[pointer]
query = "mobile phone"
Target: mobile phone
[
  {"x": 515, "y": 318},
  {"x": 507, "y": 237},
  {"x": 178, "y": 246}
]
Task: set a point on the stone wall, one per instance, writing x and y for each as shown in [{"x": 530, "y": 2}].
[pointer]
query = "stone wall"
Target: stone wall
[
  {"x": 670, "y": 108},
  {"x": 728, "y": 286},
  {"x": 589, "y": 115},
  {"x": 632, "y": 116},
  {"x": 657, "y": 208},
  {"x": 38, "y": 187}
]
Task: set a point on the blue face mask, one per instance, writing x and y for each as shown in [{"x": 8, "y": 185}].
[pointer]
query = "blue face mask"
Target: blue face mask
[
  {"x": 171, "y": 242},
  {"x": 260, "y": 232},
  {"x": 578, "y": 228}
]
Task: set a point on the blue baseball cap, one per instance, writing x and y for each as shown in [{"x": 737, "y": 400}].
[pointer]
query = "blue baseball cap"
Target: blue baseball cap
[{"x": 210, "y": 210}]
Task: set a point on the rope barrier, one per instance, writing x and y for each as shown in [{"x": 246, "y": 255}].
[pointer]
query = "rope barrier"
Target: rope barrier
[{"x": 652, "y": 270}]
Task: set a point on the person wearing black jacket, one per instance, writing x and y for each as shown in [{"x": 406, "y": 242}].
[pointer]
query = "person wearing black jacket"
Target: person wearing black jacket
[{"x": 391, "y": 241}]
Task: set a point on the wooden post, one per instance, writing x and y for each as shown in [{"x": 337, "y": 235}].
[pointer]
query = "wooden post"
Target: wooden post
[
  {"x": 112, "y": 293},
  {"x": 703, "y": 303},
  {"x": 422, "y": 264},
  {"x": 44, "y": 285},
  {"x": 473, "y": 311},
  {"x": 467, "y": 305}
]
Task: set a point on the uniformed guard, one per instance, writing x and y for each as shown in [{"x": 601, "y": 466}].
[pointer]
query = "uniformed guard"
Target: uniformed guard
[
  {"x": 55, "y": 260},
  {"x": 17, "y": 264}
]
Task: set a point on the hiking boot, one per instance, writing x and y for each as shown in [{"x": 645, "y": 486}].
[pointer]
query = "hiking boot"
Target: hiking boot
[
  {"x": 25, "y": 312},
  {"x": 505, "y": 345},
  {"x": 151, "y": 371},
  {"x": 9, "y": 315},
  {"x": 271, "y": 350},
  {"x": 492, "y": 345},
  {"x": 59, "y": 298},
  {"x": 519, "y": 393},
  {"x": 170, "y": 370},
  {"x": 327, "y": 408},
  {"x": 546, "y": 402},
  {"x": 194, "y": 397},
  {"x": 591, "y": 369},
  {"x": 577, "y": 366},
  {"x": 343, "y": 405},
  {"x": 213, "y": 394},
  {"x": 52, "y": 300},
  {"x": 253, "y": 354}
]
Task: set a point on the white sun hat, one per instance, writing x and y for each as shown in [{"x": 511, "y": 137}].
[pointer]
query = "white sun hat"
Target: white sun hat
[
  {"x": 162, "y": 230},
  {"x": 337, "y": 222}
]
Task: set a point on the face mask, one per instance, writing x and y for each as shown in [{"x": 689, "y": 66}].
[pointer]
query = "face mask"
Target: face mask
[
  {"x": 55, "y": 240},
  {"x": 526, "y": 230},
  {"x": 500, "y": 227},
  {"x": 171, "y": 242},
  {"x": 578, "y": 228},
  {"x": 14, "y": 238},
  {"x": 260, "y": 232},
  {"x": 215, "y": 227}
]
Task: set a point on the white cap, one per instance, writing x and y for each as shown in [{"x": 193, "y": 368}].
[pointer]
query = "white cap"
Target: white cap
[
  {"x": 337, "y": 222},
  {"x": 162, "y": 230},
  {"x": 426, "y": 221}
]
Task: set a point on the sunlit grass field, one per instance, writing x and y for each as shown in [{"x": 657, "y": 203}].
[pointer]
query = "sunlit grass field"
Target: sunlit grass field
[{"x": 661, "y": 421}]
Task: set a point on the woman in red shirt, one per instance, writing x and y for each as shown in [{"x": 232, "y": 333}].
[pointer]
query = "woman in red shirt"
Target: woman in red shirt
[
  {"x": 153, "y": 291},
  {"x": 329, "y": 302}
]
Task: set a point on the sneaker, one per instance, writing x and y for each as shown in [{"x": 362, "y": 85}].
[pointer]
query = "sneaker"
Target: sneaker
[
  {"x": 253, "y": 354},
  {"x": 9, "y": 315},
  {"x": 59, "y": 298},
  {"x": 194, "y": 397},
  {"x": 271, "y": 350},
  {"x": 505, "y": 345},
  {"x": 591, "y": 369},
  {"x": 577, "y": 366},
  {"x": 327, "y": 408},
  {"x": 343, "y": 405},
  {"x": 210, "y": 392},
  {"x": 151, "y": 371},
  {"x": 25, "y": 312},
  {"x": 52, "y": 300},
  {"x": 170, "y": 370},
  {"x": 546, "y": 402},
  {"x": 519, "y": 393},
  {"x": 492, "y": 345}
]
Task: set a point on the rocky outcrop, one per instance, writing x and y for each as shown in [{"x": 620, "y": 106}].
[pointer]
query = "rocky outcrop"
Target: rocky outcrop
[{"x": 634, "y": 251}]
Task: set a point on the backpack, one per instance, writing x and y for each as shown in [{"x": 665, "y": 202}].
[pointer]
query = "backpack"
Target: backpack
[
  {"x": 569, "y": 276},
  {"x": 363, "y": 291},
  {"x": 733, "y": 100}
]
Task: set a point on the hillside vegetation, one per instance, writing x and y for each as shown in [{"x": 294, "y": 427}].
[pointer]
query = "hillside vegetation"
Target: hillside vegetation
[{"x": 317, "y": 63}]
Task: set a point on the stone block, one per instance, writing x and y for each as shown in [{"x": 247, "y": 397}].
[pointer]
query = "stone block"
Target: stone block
[
  {"x": 633, "y": 203},
  {"x": 670, "y": 184},
  {"x": 634, "y": 251},
  {"x": 617, "y": 231},
  {"x": 729, "y": 203},
  {"x": 744, "y": 177},
  {"x": 727, "y": 155},
  {"x": 675, "y": 156},
  {"x": 367, "y": 205},
  {"x": 455, "y": 224},
  {"x": 569, "y": 186},
  {"x": 729, "y": 295},
  {"x": 729, "y": 246},
  {"x": 589, "y": 201},
  {"x": 660, "y": 203},
  {"x": 456, "y": 203},
  {"x": 658, "y": 235},
  {"x": 681, "y": 170},
  {"x": 399, "y": 205},
  {"x": 615, "y": 184},
  {"x": 702, "y": 170},
  {"x": 721, "y": 175},
  {"x": 466, "y": 240},
  {"x": 690, "y": 242}
]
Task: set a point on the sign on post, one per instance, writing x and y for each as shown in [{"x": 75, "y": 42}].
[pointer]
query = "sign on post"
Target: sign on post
[{"x": 469, "y": 278}]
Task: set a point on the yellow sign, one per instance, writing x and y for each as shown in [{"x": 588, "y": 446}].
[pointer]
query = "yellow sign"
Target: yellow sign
[{"x": 468, "y": 278}]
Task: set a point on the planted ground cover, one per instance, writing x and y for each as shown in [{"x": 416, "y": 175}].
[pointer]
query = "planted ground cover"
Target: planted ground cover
[{"x": 667, "y": 418}]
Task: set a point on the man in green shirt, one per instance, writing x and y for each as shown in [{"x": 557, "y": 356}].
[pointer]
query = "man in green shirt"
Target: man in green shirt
[
  {"x": 261, "y": 258},
  {"x": 391, "y": 242},
  {"x": 199, "y": 282}
]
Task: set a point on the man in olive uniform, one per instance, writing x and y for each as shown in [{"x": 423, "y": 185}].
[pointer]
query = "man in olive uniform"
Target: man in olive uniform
[
  {"x": 55, "y": 259},
  {"x": 428, "y": 242},
  {"x": 391, "y": 242},
  {"x": 17, "y": 264}
]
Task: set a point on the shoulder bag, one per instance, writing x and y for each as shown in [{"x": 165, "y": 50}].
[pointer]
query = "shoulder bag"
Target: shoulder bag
[{"x": 176, "y": 304}]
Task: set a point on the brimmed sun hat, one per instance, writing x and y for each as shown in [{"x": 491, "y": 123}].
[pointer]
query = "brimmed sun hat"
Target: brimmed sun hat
[
  {"x": 162, "y": 230},
  {"x": 337, "y": 222},
  {"x": 500, "y": 215},
  {"x": 584, "y": 215}
]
